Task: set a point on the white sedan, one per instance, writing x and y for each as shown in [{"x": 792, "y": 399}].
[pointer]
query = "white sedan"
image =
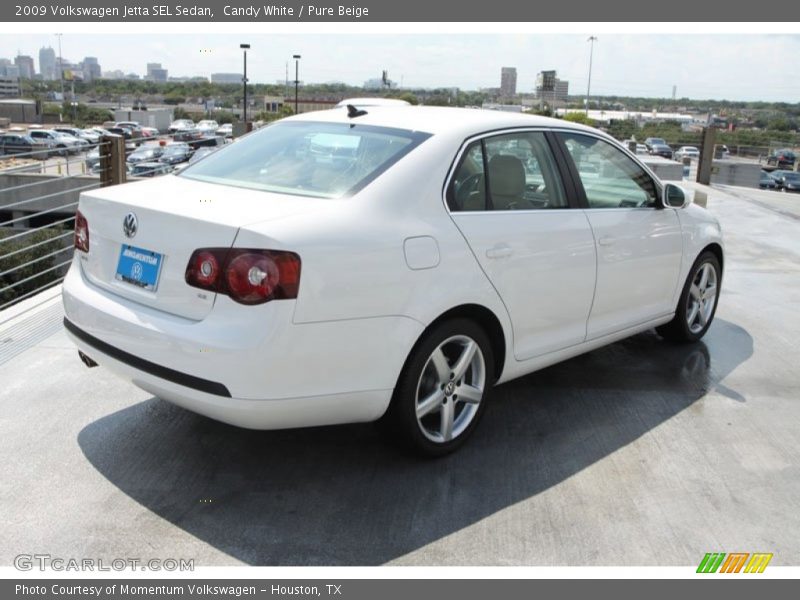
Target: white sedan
[
  {"x": 396, "y": 263},
  {"x": 687, "y": 152}
]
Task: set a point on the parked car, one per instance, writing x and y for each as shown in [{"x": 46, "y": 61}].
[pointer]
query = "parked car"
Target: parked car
[
  {"x": 73, "y": 131},
  {"x": 187, "y": 135},
  {"x": 787, "y": 181},
  {"x": 92, "y": 159},
  {"x": 136, "y": 129},
  {"x": 398, "y": 263},
  {"x": 208, "y": 126},
  {"x": 687, "y": 152},
  {"x": 145, "y": 153},
  {"x": 641, "y": 149},
  {"x": 783, "y": 159},
  {"x": 180, "y": 125},
  {"x": 90, "y": 135},
  {"x": 14, "y": 143},
  {"x": 149, "y": 169},
  {"x": 150, "y": 132},
  {"x": 721, "y": 151},
  {"x": 660, "y": 150},
  {"x": 767, "y": 181},
  {"x": 201, "y": 152},
  {"x": 59, "y": 143},
  {"x": 176, "y": 153},
  {"x": 225, "y": 130},
  {"x": 207, "y": 141},
  {"x": 125, "y": 132},
  {"x": 654, "y": 140}
]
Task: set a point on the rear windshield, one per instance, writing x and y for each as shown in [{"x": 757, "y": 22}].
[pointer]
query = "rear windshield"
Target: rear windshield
[{"x": 324, "y": 160}]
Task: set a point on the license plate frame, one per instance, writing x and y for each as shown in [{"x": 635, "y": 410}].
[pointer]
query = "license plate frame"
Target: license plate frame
[{"x": 139, "y": 267}]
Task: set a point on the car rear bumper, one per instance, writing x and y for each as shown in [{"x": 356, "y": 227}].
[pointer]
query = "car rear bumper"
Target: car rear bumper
[{"x": 249, "y": 366}]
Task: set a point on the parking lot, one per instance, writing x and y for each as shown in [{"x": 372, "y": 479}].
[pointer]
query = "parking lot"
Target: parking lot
[{"x": 640, "y": 453}]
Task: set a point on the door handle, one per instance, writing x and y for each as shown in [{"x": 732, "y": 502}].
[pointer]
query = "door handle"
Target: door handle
[
  {"x": 606, "y": 240},
  {"x": 500, "y": 251}
]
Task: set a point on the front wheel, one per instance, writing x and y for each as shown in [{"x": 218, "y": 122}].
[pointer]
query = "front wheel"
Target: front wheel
[
  {"x": 441, "y": 393},
  {"x": 698, "y": 302}
]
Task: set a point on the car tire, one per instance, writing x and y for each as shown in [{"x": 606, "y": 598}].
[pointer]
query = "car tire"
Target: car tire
[
  {"x": 698, "y": 301},
  {"x": 426, "y": 413}
]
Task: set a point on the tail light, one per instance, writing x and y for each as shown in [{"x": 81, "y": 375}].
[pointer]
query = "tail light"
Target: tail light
[
  {"x": 247, "y": 276},
  {"x": 81, "y": 232}
]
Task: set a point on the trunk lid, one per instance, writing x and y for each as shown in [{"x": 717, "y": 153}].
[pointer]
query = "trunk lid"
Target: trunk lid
[{"x": 174, "y": 216}]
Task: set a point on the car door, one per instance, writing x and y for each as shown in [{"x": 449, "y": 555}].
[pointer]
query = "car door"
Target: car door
[
  {"x": 639, "y": 244},
  {"x": 508, "y": 197}
]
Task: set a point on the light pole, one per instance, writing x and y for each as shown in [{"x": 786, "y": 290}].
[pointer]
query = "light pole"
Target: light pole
[
  {"x": 60, "y": 66},
  {"x": 296, "y": 58},
  {"x": 592, "y": 39},
  {"x": 245, "y": 48}
]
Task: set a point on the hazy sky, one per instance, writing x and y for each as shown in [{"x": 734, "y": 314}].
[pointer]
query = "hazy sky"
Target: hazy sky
[{"x": 719, "y": 66}]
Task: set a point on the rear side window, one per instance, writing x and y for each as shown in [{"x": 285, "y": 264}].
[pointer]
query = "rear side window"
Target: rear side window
[{"x": 324, "y": 160}]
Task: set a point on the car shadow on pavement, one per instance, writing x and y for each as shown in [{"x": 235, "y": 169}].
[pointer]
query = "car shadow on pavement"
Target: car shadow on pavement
[{"x": 345, "y": 496}]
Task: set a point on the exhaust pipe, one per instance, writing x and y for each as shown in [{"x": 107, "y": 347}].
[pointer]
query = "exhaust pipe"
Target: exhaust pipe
[{"x": 86, "y": 360}]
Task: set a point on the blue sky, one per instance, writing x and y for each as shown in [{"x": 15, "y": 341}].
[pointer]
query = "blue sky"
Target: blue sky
[{"x": 719, "y": 66}]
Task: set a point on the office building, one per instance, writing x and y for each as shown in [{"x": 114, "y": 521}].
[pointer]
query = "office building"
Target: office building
[
  {"x": 25, "y": 65},
  {"x": 47, "y": 64},
  {"x": 508, "y": 81}
]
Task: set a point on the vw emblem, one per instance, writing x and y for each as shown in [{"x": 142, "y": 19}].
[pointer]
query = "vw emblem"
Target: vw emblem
[{"x": 130, "y": 225}]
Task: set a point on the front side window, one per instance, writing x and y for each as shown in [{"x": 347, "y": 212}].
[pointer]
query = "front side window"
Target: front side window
[
  {"x": 513, "y": 171},
  {"x": 324, "y": 160},
  {"x": 610, "y": 178}
]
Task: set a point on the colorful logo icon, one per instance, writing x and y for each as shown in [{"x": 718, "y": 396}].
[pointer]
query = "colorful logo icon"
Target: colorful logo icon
[{"x": 735, "y": 562}]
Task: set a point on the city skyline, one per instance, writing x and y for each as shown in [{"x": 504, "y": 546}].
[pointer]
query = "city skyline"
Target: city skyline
[{"x": 712, "y": 66}]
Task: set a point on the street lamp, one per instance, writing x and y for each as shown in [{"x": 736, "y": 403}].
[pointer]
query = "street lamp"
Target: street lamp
[
  {"x": 592, "y": 39},
  {"x": 296, "y": 58},
  {"x": 245, "y": 48},
  {"x": 60, "y": 66}
]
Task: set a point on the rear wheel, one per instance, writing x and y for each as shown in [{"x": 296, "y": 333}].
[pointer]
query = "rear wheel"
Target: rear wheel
[
  {"x": 441, "y": 393},
  {"x": 698, "y": 302}
]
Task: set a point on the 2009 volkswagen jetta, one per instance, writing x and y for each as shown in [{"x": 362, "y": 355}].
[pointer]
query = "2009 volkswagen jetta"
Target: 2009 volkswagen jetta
[{"x": 394, "y": 262}]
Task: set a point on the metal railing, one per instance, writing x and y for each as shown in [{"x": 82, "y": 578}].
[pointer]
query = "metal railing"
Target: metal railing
[
  {"x": 39, "y": 192},
  {"x": 38, "y": 198}
]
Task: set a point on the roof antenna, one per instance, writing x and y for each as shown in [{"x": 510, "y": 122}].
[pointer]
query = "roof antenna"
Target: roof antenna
[{"x": 353, "y": 112}]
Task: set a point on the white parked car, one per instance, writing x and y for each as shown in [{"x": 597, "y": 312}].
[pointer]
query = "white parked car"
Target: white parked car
[
  {"x": 207, "y": 126},
  {"x": 334, "y": 268},
  {"x": 687, "y": 152},
  {"x": 181, "y": 125},
  {"x": 225, "y": 130},
  {"x": 62, "y": 143}
]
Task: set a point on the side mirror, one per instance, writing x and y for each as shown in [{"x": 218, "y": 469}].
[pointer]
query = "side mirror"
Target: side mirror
[{"x": 675, "y": 197}]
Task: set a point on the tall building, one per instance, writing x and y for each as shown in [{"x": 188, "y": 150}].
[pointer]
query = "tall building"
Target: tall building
[
  {"x": 155, "y": 72},
  {"x": 549, "y": 88},
  {"x": 47, "y": 63},
  {"x": 25, "y": 64},
  {"x": 508, "y": 81},
  {"x": 8, "y": 70},
  {"x": 91, "y": 68}
]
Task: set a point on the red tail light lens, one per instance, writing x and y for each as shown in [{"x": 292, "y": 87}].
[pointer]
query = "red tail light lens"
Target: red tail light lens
[
  {"x": 247, "y": 276},
  {"x": 81, "y": 232}
]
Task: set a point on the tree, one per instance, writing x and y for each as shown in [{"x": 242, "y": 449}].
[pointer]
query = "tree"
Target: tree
[
  {"x": 579, "y": 117},
  {"x": 409, "y": 97},
  {"x": 180, "y": 113}
]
